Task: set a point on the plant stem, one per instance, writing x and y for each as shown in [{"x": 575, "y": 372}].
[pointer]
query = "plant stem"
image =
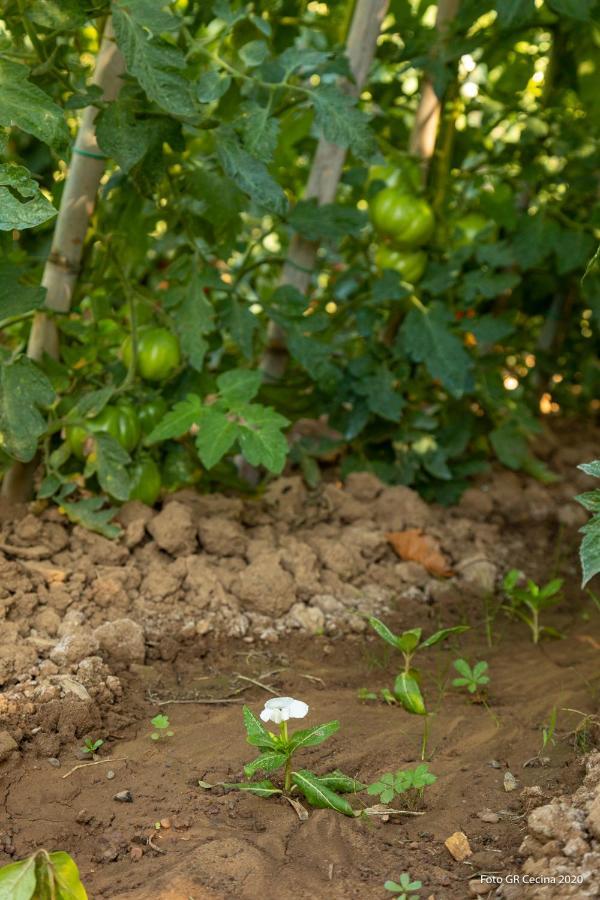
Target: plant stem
[
  {"x": 425, "y": 737},
  {"x": 535, "y": 625},
  {"x": 287, "y": 778}
]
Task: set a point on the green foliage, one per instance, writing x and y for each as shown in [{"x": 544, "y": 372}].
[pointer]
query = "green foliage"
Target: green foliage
[
  {"x": 527, "y": 600},
  {"x": 163, "y": 728},
  {"x": 590, "y": 545},
  {"x": 474, "y": 679},
  {"x": 208, "y": 148},
  {"x": 277, "y": 752},
  {"x": 404, "y": 888},
  {"x": 412, "y": 781},
  {"x": 90, "y": 745},
  {"x": 42, "y": 875}
]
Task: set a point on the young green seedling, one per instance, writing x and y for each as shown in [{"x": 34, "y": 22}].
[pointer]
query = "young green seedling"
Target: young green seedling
[
  {"x": 51, "y": 875},
  {"x": 474, "y": 679},
  {"x": 161, "y": 723},
  {"x": 277, "y": 751},
  {"x": 91, "y": 746},
  {"x": 407, "y": 685},
  {"x": 528, "y": 602},
  {"x": 411, "y": 781},
  {"x": 404, "y": 889}
]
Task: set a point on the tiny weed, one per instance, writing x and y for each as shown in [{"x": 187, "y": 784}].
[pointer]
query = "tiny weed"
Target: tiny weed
[
  {"x": 586, "y": 736},
  {"x": 411, "y": 782},
  {"x": 548, "y": 730},
  {"x": 405, "y": 888},
  {"x": 474, "y": 679},
  {"x": 162, "y": 725},
  {"x": 529, "y": 601},
  {"x": 407, "y": 688},
  {"x": 91, "y": 746}
]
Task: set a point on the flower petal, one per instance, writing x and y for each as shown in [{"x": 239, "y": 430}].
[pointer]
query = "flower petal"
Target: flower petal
[
  {"x": 265, "y": 715},
  {"x": 298, "y": 709}
]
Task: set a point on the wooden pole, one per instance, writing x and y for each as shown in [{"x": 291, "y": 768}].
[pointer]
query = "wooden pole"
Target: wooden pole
[
  {"x": 62, "y": 266},
  {"x": 425, "y": 128},
  {"x": 325, "y": 174}
]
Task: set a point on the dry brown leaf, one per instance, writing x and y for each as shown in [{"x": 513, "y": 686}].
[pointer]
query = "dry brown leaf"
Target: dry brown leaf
[
  {"x": 416, "y": 546},
  {"x": 588, "y": 639},
  {"x": 458, "y": 846}
]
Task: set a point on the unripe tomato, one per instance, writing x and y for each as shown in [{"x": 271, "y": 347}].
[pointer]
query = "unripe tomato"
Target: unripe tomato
[
  {"x": 179, "y": 469},
  {"x": 465, "y": 229},
  {"x": 127, "y": 430},
  {"x": 403, "y": 173},
  {"x": 158, "y": 353},
  {"x": 121, "y": 422},
  {"x": 410, "y": 264},
  {"x": 405, "y": 218},
  {"x": 145, "y": 481},
  {"x": 150, "y": 414}
]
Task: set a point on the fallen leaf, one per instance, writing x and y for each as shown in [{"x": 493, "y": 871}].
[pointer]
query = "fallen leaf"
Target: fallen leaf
[
  {"x": 458, "y": 846},
  {"x": 588, "y": 639},
  {"x": 301, "y": 811},
  {"x": 136, "y": 853},
  {"x": 416, "y": 546}
]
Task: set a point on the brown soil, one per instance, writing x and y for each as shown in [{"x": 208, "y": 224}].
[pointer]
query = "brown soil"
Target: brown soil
[{"x": 97, "y": 634}]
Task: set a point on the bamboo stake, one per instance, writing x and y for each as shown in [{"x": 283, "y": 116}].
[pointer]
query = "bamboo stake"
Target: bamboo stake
[
  {"x": 325, "y": 175},
  {"x": 76, "y": 207},
  {"x": 425, "y": 128}
]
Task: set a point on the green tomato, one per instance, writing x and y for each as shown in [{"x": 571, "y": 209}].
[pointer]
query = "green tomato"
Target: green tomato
[
  {"x": 145, "y": 481},
  {"x": 465, "y": 229},
  {"x": 121, "y": 422},
  {"x": 150, "y": 414},
  {"x": 403, "y": 172},
  {"x": 179, "y": 468},
  {"x": 410, "y": 264},
  {"x": 158, "y": 353},
  {"x": 405, "y": 218}
]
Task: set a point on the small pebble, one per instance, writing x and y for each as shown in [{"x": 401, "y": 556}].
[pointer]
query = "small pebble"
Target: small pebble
[
  {"x": 478, "y": 888},
  {"x": 510, "y": 782},
  {"x": 54, "y": 762},
  {"x": 486, "y": 815},
  {"x": 124, "y": 797},
  {"x": 110, "y": 774},
  {"x": 494, "y": 764}
]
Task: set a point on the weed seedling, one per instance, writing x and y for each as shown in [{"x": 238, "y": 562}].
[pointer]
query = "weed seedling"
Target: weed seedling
[
  {"x": 91, "y": 746},
  {"x": 528, "y": 602},
  {"x": 404, "y": 889},
  {"x": 411, "y": 782},
  {"x": 547, "y": 731},
  {"x": 474, "y": 679},
  {"x": 407, "y": 685},
  {"x": 162, "y": 725}
]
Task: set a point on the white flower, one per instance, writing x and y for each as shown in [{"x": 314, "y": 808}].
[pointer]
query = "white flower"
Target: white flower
[{"x": 280, "y": 709}]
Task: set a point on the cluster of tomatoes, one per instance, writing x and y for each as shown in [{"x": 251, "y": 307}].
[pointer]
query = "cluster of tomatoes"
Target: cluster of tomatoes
[
  {"x": 406, "y": 221},
  {"x": 158, "y": 359}
]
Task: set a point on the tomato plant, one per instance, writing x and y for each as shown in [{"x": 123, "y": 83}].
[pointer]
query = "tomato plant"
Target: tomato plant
[{"x": 429, "y": 304}]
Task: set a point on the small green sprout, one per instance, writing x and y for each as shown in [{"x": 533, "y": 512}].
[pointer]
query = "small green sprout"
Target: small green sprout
[
  {"x": 91, "y": 746},
  {"x": 407, "y": 686},
  {"x": 474, "y": 679},
  {"x": 528, "y": 602},
  {"x": 411, "y": 781},
  {"x": 404, "y": 888},
  {"x": 161, "y": 723}
]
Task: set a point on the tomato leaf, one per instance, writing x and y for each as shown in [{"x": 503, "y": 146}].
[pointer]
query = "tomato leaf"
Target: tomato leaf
[
  {"x": 24, "y": 390},
  {"x": 217, "y": 435},
  {"x": 23, "y": 206},
  {"x": 110, "y": 465},
  {"x": 426, "y": 337},
  {"x": 178, "y": 421},
  {"x": 30, "y": 108},
  {"x": 90, "y": 514}
]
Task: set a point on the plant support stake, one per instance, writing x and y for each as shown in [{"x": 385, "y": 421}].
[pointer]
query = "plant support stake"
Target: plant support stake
[
  {"x": 325, "y": 175},
  {"x": 76, "y": 207}
]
